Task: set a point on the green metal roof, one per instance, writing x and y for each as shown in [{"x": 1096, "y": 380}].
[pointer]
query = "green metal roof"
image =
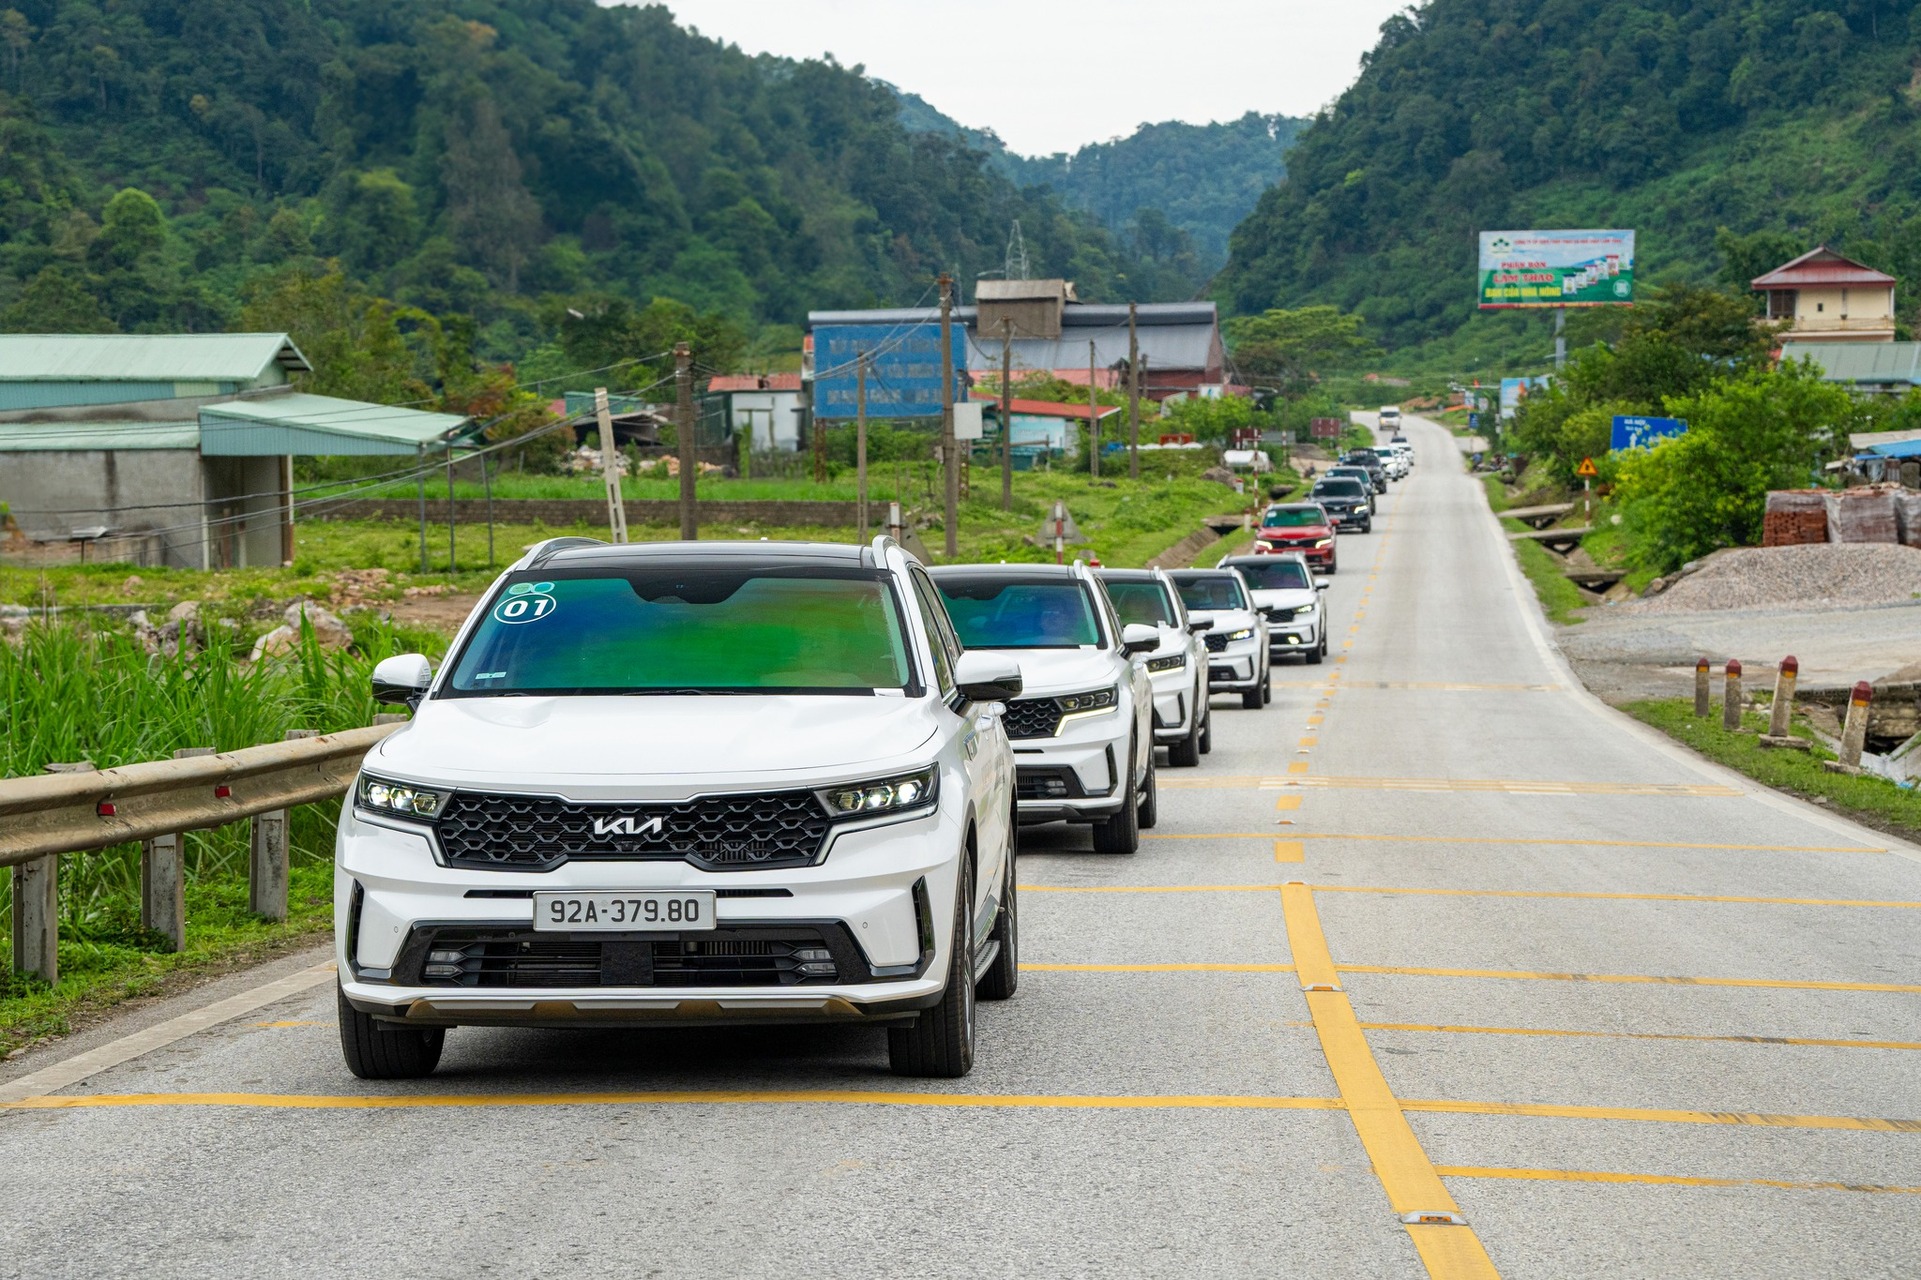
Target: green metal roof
[
  {"x": 1883, "y": 362},
  {"x": 145, "y": 357},
  {"x": 323, "y": 426},
  {"x": 76, "y": 437}
]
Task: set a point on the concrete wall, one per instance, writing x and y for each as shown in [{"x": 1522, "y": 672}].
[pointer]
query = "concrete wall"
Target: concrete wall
[
  {"x": 778, "y": 409},
  {"x": 1841, "y": 313},
  {"x": 244, "y": 505},
  {"x": 134, "y": 490},
  {"x": 567, "y": 512}
]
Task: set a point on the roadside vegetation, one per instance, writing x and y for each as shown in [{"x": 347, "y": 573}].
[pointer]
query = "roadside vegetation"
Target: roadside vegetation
[
  {"x": 1872, "y": 801},
  {"x": 1559, "y": 597},
  {"x": 91, "y": 690}
]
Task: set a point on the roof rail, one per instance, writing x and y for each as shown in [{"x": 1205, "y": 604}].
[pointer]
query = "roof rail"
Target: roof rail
[{"x": 545, "y": 551}]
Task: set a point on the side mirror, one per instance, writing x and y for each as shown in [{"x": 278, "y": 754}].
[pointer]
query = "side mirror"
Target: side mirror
[
  {"x": 1321, "y": 584},
  {"x": 988, "y": 677},
  {"x": 1197, "y": 625},
  {"x": 402, "y": 678},
  {"x": 1137, "y": 638}
]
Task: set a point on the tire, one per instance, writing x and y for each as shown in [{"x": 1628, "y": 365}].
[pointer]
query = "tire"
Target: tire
[
  {"x": 1186, "y": 754},
  {"x": 1251, "y": 699},
  {"x": 1317, "y": 653},
  {"x": 939, "y": 1044},
  {"x": 1207, "y": 729},
  {"x": 1267, "y": 685},
  {"x": 374, "y": 1052},
  {"x": 1149, "y": 812},
  {"x": 1121, "y": 834},
  {"x": 1003, "y": 977}
]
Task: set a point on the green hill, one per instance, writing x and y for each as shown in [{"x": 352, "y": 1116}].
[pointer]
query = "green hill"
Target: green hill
[
  {"x": 472, "y": 157},
  {"x": 1785, "y": 123}
]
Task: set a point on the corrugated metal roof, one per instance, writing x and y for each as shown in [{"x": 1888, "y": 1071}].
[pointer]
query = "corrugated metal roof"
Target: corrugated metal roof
[
  {"x": 1882, "y": 362},
  {"x": 317, "y": 425},
  {"x": 145, "y": 357},
  {"x": 1174, "y": 336},
  {"x": 78, "y": 437},
  {"x": 1819, "y": 266},
  {"x": 1899, "y": 449}
]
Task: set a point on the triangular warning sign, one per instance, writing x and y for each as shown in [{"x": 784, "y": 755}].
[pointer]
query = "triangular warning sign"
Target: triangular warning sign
[{"x": 1587, "y": 470}]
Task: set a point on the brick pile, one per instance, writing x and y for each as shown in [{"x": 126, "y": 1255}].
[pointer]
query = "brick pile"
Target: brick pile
[
  {"x": 1907, "y": 507},
  {"x": 1795, "y": 517},
  {"x": 1865, "y": 514}
]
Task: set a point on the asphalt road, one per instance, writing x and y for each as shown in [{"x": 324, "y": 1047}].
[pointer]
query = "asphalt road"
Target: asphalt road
[{"x": 1616, "y": 1011}]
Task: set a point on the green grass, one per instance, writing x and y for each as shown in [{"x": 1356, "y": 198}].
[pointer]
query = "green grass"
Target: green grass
[
  {"x": 1232, "y": 545},
  {"x": 1872, "y": 801},
  {"x": 1559, "y": 597}
]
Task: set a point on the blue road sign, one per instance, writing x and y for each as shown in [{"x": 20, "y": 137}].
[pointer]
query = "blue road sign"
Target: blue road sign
[
  {"x": 1473, "y": 422},
  {"x": 1635, "y": 432},
  {"x": 903, "y": 373}
]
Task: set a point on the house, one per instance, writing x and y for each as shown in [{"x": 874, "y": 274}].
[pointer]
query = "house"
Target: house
[
  {"x": 1044, "y": 424},
  {"x": 1868, "y": 368},
  {"x": 176, "y": 449},
  {"x": 1825, "y": 297},
  {"x": 767, "y": 405}
]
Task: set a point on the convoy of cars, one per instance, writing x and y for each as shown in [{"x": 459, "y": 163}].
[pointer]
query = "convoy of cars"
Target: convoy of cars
[{"x": 763, "y": 782}]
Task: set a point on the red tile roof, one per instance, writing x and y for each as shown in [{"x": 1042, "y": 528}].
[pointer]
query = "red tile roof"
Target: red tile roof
[
  {"x": 1053, "y": 409},
  {"x": 783, "y": 382},
  {"x": 734, "y": 382},
  {"x": 1818, "y": 267}
]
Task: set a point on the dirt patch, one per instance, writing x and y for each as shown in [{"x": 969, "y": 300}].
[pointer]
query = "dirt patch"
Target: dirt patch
[{"x": 441, "y": 612}]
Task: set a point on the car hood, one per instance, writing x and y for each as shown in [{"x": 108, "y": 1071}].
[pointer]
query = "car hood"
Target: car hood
[
  {"x": 1225, "y": 619},
  {"x": 1045, "y": 672},
  {"x": 1289, "y": 599},
  {"x": 666, "y": 742}
]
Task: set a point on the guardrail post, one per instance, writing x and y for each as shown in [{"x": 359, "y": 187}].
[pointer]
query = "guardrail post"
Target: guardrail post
[
  {"x": 163, "y": 878},
  {"x": 268, "y": 851},
  {"x": 1781, "y": 714},
  {"x": 1701, "y": 688},
  {"x": 36, "y": 906},
  {"x": 1854, "y": 731},
  {"x": 1731, "y": 698}
]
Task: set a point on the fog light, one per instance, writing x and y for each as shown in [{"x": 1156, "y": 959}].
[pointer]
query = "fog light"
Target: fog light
[
  {"x": 447, "y": 957},
  {"x": 813, "y": 953},
  {"x": 1054, "y": 787},
  {"x": 443, "y": 971}
]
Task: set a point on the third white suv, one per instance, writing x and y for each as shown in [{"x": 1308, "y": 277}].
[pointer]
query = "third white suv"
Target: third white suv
[
  {"x": 1183, "y": 722},
  {"x": 1237, "y": 657},
  {"x": 1083, "y": 728}
]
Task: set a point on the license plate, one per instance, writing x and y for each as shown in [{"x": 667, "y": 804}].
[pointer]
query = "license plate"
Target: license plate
[{"x": 678, "y": 910}]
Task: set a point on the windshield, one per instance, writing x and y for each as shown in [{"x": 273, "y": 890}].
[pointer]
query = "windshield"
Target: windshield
[
  {"x": 1140, "y": 602},
  {"x": 995, "y": 613},
  {"x": 1216, "y": 591},
  {"x": 1338, "y": 489},
  {"x": 1269, "y": 574},
  {"x": 686, "y": 630},
  {"x": 1292, "y": 517}
]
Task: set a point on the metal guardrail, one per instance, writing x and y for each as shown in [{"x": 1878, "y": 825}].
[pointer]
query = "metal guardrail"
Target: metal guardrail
[{"x": 79, "y": 809}]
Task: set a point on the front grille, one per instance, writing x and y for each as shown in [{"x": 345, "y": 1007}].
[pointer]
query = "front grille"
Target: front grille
[
  {"x": 719, "y": 833},
  {"x": 1216, "y": 641},
  {"x": 1047, "y": 783},
  {"x": 747, "y": 956},
  {"x": 1032, "y": 718},
  {"x": 1280, "y": 615}
]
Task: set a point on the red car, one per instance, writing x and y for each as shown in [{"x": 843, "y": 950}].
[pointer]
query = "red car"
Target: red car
[{"x": 1298, "y": 526}]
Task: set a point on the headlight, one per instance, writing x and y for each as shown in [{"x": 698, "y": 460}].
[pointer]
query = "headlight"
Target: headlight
[
  {"x": 1173, "y": 662},
  {"x": 884, "y": 795},
  {"x": 1325, "y": 542},
  {"x": 400, "y": 798},
  {"x": 1245, "y": 633},
  {"x": 1089, "y": 703}
]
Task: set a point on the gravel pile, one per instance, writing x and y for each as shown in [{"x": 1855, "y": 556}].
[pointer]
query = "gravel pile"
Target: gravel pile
[{"x": 1833, "y": 575}]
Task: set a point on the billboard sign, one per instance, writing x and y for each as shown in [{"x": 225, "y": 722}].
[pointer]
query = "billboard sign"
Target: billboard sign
[
  {"x": 1515, "y": 390},
  {"x": 1556, "y": 269},
  {"x": 1326, "y": 428},
  {"x": 1635, "y": 432},
  {"x": 903, "y": 372}
]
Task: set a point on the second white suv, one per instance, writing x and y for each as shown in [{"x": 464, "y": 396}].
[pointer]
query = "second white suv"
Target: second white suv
[
  {"x": 1183, "y": 719},
  {"x": 1289, "y": 597},
  {"x": 1237, "y": 657},
  {"x": 685, "y": 783},
  {"x": 1082, "y": 728}
]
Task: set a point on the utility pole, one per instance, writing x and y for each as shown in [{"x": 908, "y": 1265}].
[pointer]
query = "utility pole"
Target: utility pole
[
  {"x": 951, "y": 507},
  {"x": 1133, "y": 392},
  {"x": 610, "y": 468},
  {"x": 1007, "y": 414},
  {"x": 1560, "y": 338},
  {"x": 1093, "y": 420},
  {"x": 860, "y": 447},
  {"x": 453, "y": 565},
  {"x": 689, "y": 460}
]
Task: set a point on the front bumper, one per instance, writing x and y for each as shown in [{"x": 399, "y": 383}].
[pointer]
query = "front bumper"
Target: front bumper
[
  {"x": 1074, "y": 776},
  {"x": 1235, "y": 669},
  {"x": 1292, "y": 637},
  {"x": 881, "y": 896},
  {"x": 1321, "y": 557},
  {"x": 1174, "y": 705}
]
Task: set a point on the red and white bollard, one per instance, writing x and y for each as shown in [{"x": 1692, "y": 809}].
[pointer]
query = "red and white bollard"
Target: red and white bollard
[
  {"x": 1701, "y": 687},
  {"x": 1731, "y": 697},
  {"x": 1854, "y": 731},
  {"x": 1781, "y": 713}
]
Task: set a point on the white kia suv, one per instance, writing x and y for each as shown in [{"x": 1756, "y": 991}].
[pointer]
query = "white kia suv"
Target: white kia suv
[
  {"x": 678, "y": 783},
  {"x": 1236, "y": 636},
  {"x": 1177, "y": 668},
  {"x": 1083, "y": 727},
  {"x": 1289, "y": 597}
]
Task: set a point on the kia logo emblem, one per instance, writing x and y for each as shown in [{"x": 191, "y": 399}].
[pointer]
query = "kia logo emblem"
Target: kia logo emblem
[{"x": 630, "y": 826}]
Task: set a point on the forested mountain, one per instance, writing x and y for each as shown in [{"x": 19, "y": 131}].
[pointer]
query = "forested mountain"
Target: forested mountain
[
  {"x": 1787, "y": 122},
  {"x": 160, "y": 160},
  {"x": 1173, "y": 191}
]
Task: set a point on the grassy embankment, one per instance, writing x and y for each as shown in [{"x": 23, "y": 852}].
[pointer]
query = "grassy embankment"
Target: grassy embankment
[
  {"x": 1872, "y": 801},
  {"x": 1559, "y": 597},
  {"x": 53, "y": 689},
  {"x": 1126, "y": 521}
]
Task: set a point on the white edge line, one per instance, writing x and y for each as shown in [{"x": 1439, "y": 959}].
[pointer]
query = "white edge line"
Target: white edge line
[
  {"x": 1536, "y": 622},
  {"x": 73, "y": 1070}
]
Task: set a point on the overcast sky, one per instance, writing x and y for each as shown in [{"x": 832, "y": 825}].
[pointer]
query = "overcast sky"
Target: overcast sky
[{"x": 1050, "y": 75}]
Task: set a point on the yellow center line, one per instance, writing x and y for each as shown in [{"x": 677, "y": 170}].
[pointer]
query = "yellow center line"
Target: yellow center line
[
  {"x": 1805, "y": 1041},
  {"x": 293, "y": 1024},
  {"x": 1299, "y": 766},
  {"x": 1207, "y": 835},
  {"x": 1616, "y": 897},
  {"x": 1517, "y": 786},
  {"x": 1310, "y": 742},
  {"x": 1659, "y": 1115},
  {"x": 1289, "y": 851},
  {"x": 1157, "y": 968},
  {"x": 1664, "y": 1180},
  {"x": 1288, "y": 803},
  {"x": 1315, "y": 721},
  {"x": 328, "y": 1102},
  {"x": 1413, "y": 1188},
  {"x": 1594, "y": 844},
  {"x": 1772, "y": 984}
]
